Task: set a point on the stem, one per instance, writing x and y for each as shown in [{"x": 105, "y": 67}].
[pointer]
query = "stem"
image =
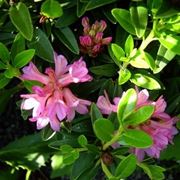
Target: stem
[
  {"x": 148, "y": 39},
  {"x": 114, "y": 139},
  {"x": 28, "y": 173},
  {"x": 106, "y": 170}
]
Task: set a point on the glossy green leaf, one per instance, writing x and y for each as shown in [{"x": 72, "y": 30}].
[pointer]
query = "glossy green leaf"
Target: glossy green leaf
[
  {"x": 3, "y": 81},
  {"x": 154, "y": 5},
  {"x": 95, "y": 113},
  {"x": 139, "y": 16},
  {"x": 145, "y": 81},
  {"x": 82, "y": 140},
  {"x": 47, "y": 133},
  {"x": 141, "y": 59},
  {"x": 56, "y": 163},
  {"x": 2, "y": 65},
  {"x": 81, "y": 8},
  {"x": 42, "y": 46},
  {"x": 117, "y": 51},
  {"x": 18, "y": 45},
  {"x": 51, "y": 9},
  {"x": 11, "y": 72},
  {"x": 126, "y": 104},
  {"x": 123, "y": 18},
  {"x": 21, "y": 19},
  {"x": 4, "y": 53},
  {"x": 84, "y": 161},
  {"x": 67, "y": 37},
  {"x": 172, "y": 151},
  {"x": 140, "y": 115},
  {"x": 129, "y": 45},
  {"x": 22, "y": 58},
  {"x": 104, "y": 129},
  {"x": 107, "y": 70},
  {"x": 6, "y": 95},
  {"x": 164, "y": 56},
  {"x": 126, "y": 167},
  {"x": 153, "y": 171},
  {"x": 98, "y": 3},
  {"x": 137, "y": 138},
  {"x": 124, "y": 76},
  {"x": 171, "y": 42},
  {"x": 69, "y": 154},
  {"x": 63, "y": 21}
]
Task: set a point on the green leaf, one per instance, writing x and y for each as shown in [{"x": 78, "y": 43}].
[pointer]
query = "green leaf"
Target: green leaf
[
  {"x": 18, "y": 45},
  {"x": 139, "y": 17},
  {"x": 3, "y": 81},
  {"x": 126, "y": 167},
  {"x": 140, "y": 115},
  {"x": 137, "y": 138},
  {"x": 95, "y": 113},
  {"x": 4, "y": 53},
  {"x": 171, "y": 42},
  {"x": 164, "y": 56},
  {"x": 153, "y": 171},
  {"x": 81, "y": 8},
  {"x": 126, "y": 104},
  {"x": 142, "y": 59},
  {"x": 172, "y": 151},
  {"x": 47, "y": 133},
  {"x": 82, "y": 140},
  {"x": 129, "y": 45},
  {"x": 22, "y": 58},
  {"x": 21, "y": 19},
  {"x": 154, "y": 5},
  {"x": 63, "y": 21},
  {"x": 103, "y": 129},
  {"x": 124, "y": 76},
  {"x": 11, "y": 72},
  {"x": 6, "y": 95},
  {"x": 117, "y": 51},
  {"x": 66, "y": 36},
  {"x": 56, "y": 163},
  {"x": 98, "y": 3},
  {"x": 84, "y": 161},
  {"x": 124, "y": 19},
  {"x": 51, "y": 9},
  {"x": 2, "y": 66},
  {"x": 69, "y": 154},
  {"x": 107, "y": 70},
  {"x": 42, "y": 46},
  {"x": 145, "y": 81}
]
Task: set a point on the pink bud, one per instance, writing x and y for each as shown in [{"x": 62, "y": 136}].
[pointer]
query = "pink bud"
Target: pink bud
[
  {"x": 103, "y": 26},
  {"x": 106, "y": 41},
  {"x": 98, "y": 37},
  {"x": 85, "y": 41},
  {"x": 85, "y": 22}
]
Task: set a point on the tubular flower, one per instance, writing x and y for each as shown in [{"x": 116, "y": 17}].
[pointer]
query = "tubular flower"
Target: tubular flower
[
  {"x": 159, "y": 126},
  {"x": 54, "y": 101},
  {"x": 92, "y": 41}
]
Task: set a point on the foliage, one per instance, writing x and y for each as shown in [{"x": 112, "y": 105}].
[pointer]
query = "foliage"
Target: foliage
[{"x": 144, "y": 53}]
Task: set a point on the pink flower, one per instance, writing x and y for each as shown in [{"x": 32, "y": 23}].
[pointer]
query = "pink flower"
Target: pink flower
[
  {"x": 54, "y": 102},
  {"x": 159, "y": 126},
  {"x": 105, "y": 105},
  {"x": 92, "y": 41}
]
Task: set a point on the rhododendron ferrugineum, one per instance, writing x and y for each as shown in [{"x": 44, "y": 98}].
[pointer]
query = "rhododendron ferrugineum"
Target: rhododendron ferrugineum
[
  {"x": 159, "y": 126},
  {"x": 92, "y": 41},
  {"x": 54, "y": 101}
]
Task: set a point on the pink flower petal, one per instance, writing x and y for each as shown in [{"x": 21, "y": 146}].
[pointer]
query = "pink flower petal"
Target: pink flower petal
[{"x": 32, "y": 73}]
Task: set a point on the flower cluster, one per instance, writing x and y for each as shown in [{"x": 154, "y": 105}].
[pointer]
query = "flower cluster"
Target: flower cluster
[
  {"x": 159, "y": 126},
  {"x": 92, "y": 41},
  {"x": 54, "y": 101}
]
